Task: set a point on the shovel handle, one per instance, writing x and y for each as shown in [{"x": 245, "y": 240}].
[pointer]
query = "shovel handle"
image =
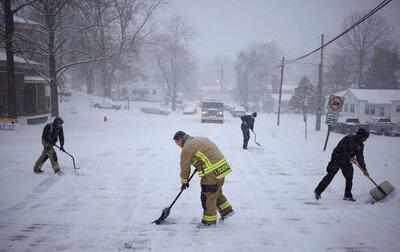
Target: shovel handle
[{"x": 378, "y": 186}]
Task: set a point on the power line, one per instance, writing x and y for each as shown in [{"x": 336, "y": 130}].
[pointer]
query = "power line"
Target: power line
[
  {"x": 278, "y": 66},
  {"x": 373, "y": 11}
]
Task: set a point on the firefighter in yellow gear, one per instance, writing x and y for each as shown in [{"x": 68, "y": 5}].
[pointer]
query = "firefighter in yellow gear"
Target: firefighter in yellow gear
[{"x": 212, "y": 168}]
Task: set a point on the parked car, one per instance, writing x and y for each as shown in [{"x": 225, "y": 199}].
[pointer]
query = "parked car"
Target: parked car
[
  {"x": 348, "y": 125},
  {"x": 190, "y": 108},
  {"x": 238, "y": 111},
  {"x": 104, "y": 103},
  {"x": 212, "y": 111},
  {"x": 155, "y": 110},
  {"x": 383, "y": 126}
]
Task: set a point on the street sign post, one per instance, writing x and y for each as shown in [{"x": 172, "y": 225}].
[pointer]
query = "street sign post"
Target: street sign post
[{"x": 335, "y": 105}]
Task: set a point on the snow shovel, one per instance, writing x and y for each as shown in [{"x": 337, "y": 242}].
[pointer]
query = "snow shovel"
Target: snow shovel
[
  {"x": 381, "y": 190},
  {"x": 255, "y": 138},
  {"x": 165, "y": 211},
  {"x": 73, "y": 160}
]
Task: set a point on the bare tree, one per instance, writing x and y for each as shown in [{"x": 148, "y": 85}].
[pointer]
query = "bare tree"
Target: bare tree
[
  {"x": 55, "y": 30},
  {"x": 174, "y": 59},
  {"x": 339, "y": 74},
  {"x": 120, "y": 27},
  {"x": 7, "y": 33},
  {"x": 253, "y": 70},
  {"x": 361, "y": 40}
]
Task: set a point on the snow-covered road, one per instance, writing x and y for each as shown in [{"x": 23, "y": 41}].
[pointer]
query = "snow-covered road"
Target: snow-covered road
[{"x": 130, "y": 172}]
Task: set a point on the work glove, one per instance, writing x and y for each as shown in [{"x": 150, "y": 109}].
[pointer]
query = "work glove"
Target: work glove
[
  {"x": 184, "y": 186},
  {"x": 62, "y": 148},
  {"x": 365, "y": 172}
]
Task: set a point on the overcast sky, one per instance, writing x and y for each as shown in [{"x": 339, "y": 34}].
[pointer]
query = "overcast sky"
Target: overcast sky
[{"x": 224, "y": 27}]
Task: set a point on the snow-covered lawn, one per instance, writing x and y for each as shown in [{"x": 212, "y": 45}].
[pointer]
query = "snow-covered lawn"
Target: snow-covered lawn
[{"x": 130, "y": 172}]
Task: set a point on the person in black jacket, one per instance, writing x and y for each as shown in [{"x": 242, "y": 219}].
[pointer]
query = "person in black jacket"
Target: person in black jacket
[
  {"x": 348, "y": 150},
  {"x": 247, "y": 123},
  {"x": 51, "y": 133}
]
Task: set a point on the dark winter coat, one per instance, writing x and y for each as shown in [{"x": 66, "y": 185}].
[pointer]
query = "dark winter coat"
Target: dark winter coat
[
  {"x": 347, "y": 148},
  {"x": 51, "y": 133},
  {"x": 247, "y": 122}
]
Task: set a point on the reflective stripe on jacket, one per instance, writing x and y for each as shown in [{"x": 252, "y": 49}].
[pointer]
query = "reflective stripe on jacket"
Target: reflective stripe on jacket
[{"x": 206, "y": 157}]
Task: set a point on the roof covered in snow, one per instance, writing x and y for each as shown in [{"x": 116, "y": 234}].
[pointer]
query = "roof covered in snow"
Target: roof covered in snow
[
  {"x": 23, "y": 20},
  {"x": 34, "y": 79},
  {"x": 3, "y": 57},
  {"x": 376, "y": 96}
]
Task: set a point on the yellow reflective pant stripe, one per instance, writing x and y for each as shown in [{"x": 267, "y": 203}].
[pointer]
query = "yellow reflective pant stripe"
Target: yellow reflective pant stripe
[
  {"x": 224, "y": 206},
  {"x": 184, "y": 181},
  {"x": 209, "y": 218}
]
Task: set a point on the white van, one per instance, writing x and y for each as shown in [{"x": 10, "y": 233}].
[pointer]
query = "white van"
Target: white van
[{"x": 212, "y": 111}]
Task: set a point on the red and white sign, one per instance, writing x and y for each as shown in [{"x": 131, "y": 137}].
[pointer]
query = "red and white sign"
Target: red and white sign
[{"x": 335, "y": 103}]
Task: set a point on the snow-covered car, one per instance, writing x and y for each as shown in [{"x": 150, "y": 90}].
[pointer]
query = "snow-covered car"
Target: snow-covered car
[
  {"x": 190, "y": 108},
  {"x": 238, "y": 111},
  {"x": 104, "y": 103},
  {"x": 155, "y": 110}
]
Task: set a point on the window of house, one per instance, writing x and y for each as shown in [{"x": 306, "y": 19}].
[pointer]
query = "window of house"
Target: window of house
[
  {"x": 382, "y": 111},
  {"x": 352, "y": 108},
  {"x": 346, "y": 107},
  {"x": 397, "y": 108},
  {"x": 370, "y": 110}
]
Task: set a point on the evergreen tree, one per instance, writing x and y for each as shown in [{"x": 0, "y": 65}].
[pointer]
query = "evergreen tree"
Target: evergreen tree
[{"x": 306, "y": 92}]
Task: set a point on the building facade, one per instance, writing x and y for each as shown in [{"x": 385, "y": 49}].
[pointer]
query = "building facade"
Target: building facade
[{"x": 369, "y": 103}]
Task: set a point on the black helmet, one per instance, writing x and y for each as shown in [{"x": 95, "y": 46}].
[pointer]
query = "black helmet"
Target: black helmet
[
  {"x": 179, "y": 135},
  {"x": 363, "y": 133},
  {"x": 254, "y": 114},
  {"x": 58, "y": 120}
]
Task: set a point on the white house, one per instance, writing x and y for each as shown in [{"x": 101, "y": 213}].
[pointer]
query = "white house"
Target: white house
[
  {"x": 287, "y": 93},
  {"x": 285, "y": 102},
  {"x": 368, "y": 103}
]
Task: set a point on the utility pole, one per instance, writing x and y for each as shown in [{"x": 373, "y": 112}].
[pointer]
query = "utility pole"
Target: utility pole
[
  {"x": 222, "y": 78},
  {"x": 280, "y": 89},
  {"x": 319, "y": 95}
]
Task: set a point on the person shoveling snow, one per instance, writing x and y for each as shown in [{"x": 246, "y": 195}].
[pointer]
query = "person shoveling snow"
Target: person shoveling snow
[
  {"x": 212, "y": 167},
  {"x": 350, "y": 147}
]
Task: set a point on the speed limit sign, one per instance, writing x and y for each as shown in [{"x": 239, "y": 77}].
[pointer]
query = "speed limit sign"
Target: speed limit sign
[
  {"x": 331, "y": 118},
  {"x": 335, "y": 103}
]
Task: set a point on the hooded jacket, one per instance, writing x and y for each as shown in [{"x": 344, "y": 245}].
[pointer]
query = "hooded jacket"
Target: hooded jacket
[
  {"x": 247, "y": 122},
  {"x": 51, "y": 133}
]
